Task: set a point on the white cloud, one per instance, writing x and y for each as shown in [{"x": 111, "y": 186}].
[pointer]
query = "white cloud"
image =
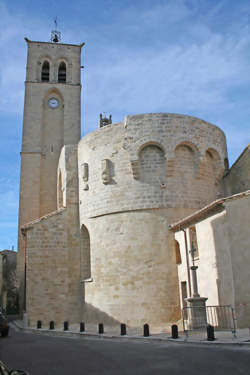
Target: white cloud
[{"x": 195, "y": 77}]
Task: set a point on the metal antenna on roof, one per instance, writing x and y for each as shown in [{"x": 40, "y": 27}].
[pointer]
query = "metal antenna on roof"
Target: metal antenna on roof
[{"x": 55, "y": 35}]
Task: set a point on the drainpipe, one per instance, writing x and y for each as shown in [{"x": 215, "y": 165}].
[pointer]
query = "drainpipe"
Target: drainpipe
[{"x": 187, "y": 261}]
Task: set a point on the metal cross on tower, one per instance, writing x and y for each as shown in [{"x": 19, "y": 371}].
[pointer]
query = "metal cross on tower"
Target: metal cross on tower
[{"x": 55, "y": 35}]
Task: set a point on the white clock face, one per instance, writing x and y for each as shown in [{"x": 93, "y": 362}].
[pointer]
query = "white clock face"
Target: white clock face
[{"x": 53, "y": 103}]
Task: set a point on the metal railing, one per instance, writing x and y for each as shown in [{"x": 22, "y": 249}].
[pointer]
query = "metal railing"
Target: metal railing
[{"x": 222, "y": 318}]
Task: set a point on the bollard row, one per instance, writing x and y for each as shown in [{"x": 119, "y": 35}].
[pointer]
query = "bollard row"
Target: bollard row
[
  {"x": 146, "y": 332},
  {"x": 100, "y": 329}
]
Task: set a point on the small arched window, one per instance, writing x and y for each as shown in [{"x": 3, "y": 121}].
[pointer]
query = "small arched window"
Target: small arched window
[
  {"x": 62, "y": 72},
  {"x": 45, "y": 71},
  {"x": 85, "y": 260}
]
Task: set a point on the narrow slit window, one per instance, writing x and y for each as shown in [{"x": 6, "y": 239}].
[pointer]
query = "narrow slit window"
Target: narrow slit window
[
  {"x": 62, "y": 72},
  {"x": 177, "y": 252},
  {"x": 45, "y": 71}
]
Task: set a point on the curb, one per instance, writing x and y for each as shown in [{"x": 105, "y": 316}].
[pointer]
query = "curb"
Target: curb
[{"x": 97, "y": 336}]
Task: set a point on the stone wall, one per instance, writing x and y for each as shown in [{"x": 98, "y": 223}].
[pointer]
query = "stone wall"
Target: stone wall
[
  {"x": 47, "y": 270},
  {"x": 53, "y": 255},
  {"x": 238, "y": 177},
  {"x": 132, "y": 269}
]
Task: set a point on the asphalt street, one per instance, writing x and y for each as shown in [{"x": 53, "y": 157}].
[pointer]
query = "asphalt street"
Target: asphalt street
[{"x": 46, "y": 355}]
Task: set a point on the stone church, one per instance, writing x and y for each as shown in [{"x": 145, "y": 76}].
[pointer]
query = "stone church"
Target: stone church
[{"x": 106, "y": 221}]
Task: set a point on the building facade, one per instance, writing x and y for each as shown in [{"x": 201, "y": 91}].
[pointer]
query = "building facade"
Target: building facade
[
  {"x": 94, "y": 243},
  {"x": 8, "y": 282},
  {"x": 220, "y": 234}
]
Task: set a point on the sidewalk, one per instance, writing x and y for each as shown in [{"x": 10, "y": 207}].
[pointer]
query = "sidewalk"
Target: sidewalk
[{"x": 91, "y": 331}]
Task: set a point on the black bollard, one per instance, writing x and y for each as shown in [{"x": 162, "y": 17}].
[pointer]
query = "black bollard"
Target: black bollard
[
  {"x": 174, "y": 329},
  {"x": 210, "y": 333},
  {"x": 101, "y": 328},
  {"x": 82, "y": 327},
  {"x": 146, "y": 330},
  {"x": 39, "y": 324},
  {"x": 123, "y": 329},
  {"x": 51, "y": 325},
  {"x": 65, "y": 326}
]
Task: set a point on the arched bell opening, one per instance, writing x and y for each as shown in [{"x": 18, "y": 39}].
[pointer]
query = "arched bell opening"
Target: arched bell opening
[
  {"x": 45, "y": 73},
  {"x": 62, "y": 74}
]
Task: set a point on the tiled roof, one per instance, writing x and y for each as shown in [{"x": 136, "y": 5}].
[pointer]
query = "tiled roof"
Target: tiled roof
[
  {"x": 31, "y": 223},
  {"x": 204, "y": 212}
]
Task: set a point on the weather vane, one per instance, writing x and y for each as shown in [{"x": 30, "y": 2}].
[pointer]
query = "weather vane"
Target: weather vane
[{"x": 55, "y": 35}]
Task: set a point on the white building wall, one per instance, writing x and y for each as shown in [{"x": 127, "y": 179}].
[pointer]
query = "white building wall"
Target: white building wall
[{"x": 214, "y": 273}]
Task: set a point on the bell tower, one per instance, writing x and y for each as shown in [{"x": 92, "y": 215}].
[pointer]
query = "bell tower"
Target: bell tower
[{"x": 52, "y": 119}]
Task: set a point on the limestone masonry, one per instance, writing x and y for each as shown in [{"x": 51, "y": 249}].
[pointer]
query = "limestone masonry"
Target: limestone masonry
[{"x": 94, "y": 217}]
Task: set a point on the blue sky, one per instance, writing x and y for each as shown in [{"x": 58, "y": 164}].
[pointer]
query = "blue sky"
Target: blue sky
[{"x": 178, "y": 56}]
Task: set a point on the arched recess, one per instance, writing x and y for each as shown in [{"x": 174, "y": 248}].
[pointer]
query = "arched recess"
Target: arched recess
[
  {"x": 85, "y": 254},
  {"x": 60, "y": 191},
  {"x": 215, "y": 167},
  {"x": 185, "y": 161},
  {"x": 45, "y": 71},
  {"x": 152, "y": 163},
  {"x": 62, "y": 72},
  {"x": 177, "y": 252},
  {"x": 151, "y": 139},
  {"x": 52, "y": 141},
  {"x": 188, "y": 144},
  {"x": 150, "y": 143}
]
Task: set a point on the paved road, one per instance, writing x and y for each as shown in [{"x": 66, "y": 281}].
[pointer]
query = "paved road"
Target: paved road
[{"x": 46, "y": 355}]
